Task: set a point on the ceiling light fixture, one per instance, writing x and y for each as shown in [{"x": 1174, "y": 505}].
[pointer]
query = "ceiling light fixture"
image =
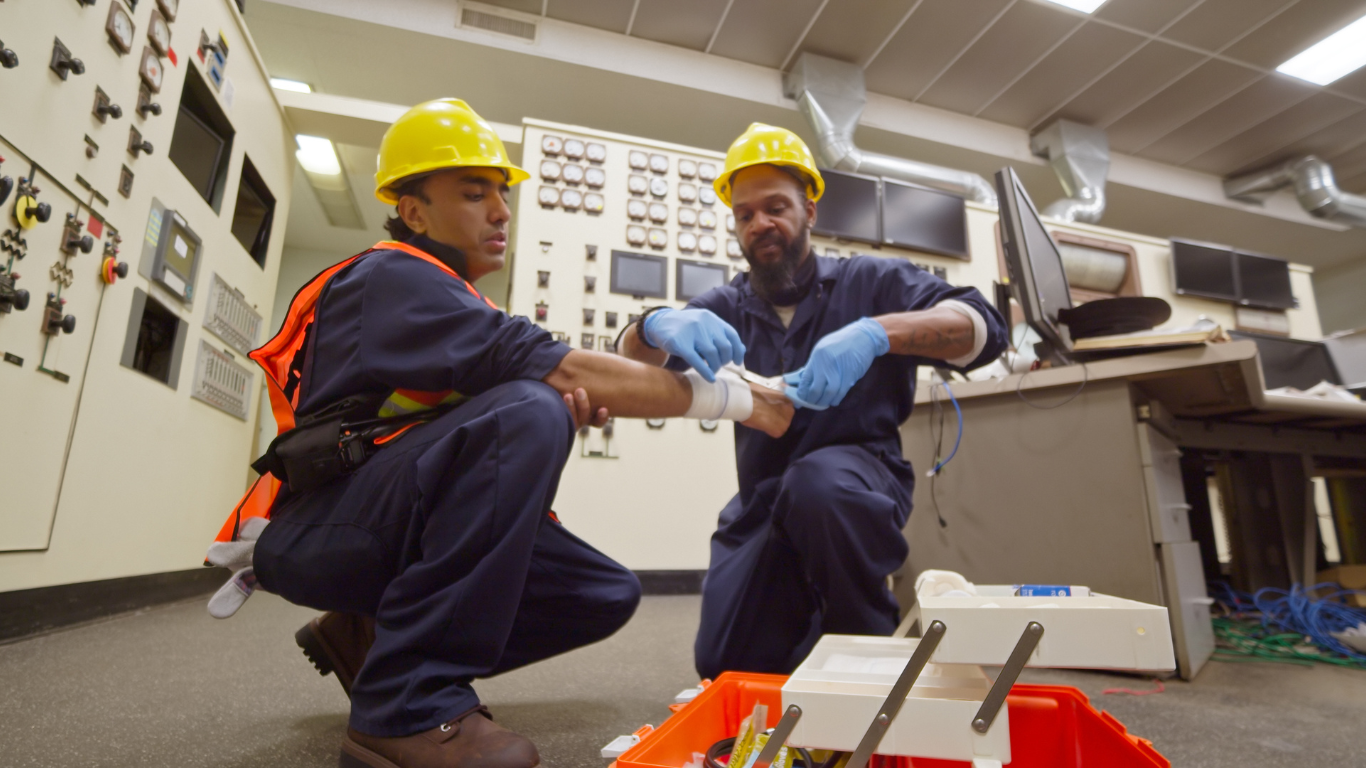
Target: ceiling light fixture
[
  {"x": 1085, "y": 6},
  {"x": 290, "y": 85},
  {"x": 317, "y": 155},
  {"x": 1332, "y": 57}
]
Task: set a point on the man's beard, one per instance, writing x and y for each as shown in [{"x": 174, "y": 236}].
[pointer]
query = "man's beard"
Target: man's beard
[{"x": 776, "y": 283}]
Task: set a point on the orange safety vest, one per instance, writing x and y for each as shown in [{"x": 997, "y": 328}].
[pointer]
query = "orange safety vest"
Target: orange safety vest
[{"x": 284, "y": 359}]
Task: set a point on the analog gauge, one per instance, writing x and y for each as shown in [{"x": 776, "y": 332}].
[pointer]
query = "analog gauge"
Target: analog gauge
[
  {"x": 119, "y": 27},
  {"x": 594, "y": 177},
  {"x": 706, "y": 172},
  {"x": 730, "y": 223},
  {"x": 635, "y": 209},
  {"x": 687, "y": 193},
  {"x": 595, "y": 152},
  {"x": 637, "y": 184},
  {"x": 573, "y": 173},
  {"x": 573, "y": 149},
  {"x": 686, "y": 168},
  {"x": 733, "y": 249},
  {"x": 706, "y": 195},
  {"x": 687, "y": 217},
  {"x": 551, "y": 145},
  {"x": 169, "y": 8},
  {"x": 159, "y": 33},
  {"x": 658, "y": 237},
  {"x": 638, "y": 160},
  {"x": 635, "y": 234},
  {"x": 151, "y": 70},
  {"x": 659, "y": 163},
  {"x": 706, "y": 219},
  {"x": 571, "y": 199},
  {"x": 550, "y": 170},
  {"x": 687, "y": 242},
  {"x": 706, "y": 244},
  {"x": 548, "y": 196},
  {"x": 659, "y": 187},
  {"x": 593, "y": 202},
  {"x": 659, "y": 213}
]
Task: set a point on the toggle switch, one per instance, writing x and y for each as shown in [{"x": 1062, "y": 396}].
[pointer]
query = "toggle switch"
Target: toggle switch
[
  {"x": 136, "y": 144},
  {"x": 112, "y": 270},
  {"x": 6, "y": 185},
  {"x": 542, "y": 311},
  {"x": 586, "y": 341},
  {"x": 27, "y": 210},
  {"x": 73, "y": 240},
  {"x": 54, "y": 321},
  {"x": 104, "y": 108},
  {"x": 63, "y": 63},
  {"x": 12, "y": 298},
  {"x": 8, "y": 58},
  {"x": 542, "y": 279},
  {"x": 591, "y": 252},
  {"x": 145, "y": 104},
  {"x": 610, "y": 319},
  {"x": 588, "y": 317},
  {"x": 590, "y": 284}
]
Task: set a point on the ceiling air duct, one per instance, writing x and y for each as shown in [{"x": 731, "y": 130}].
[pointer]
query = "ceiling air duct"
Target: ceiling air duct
[
  {"x": 1314, "y": 186},
  {"x": 831, "y": 96},
  {"x": 1080, "y": 156}
]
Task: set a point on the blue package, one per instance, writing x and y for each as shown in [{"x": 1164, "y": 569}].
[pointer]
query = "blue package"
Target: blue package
[{"x": 1043, "y": 590}]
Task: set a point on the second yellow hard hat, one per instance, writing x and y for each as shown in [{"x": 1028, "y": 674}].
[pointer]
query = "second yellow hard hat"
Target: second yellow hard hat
[
  {"x": 443, "y": 133},
  {"x": 768, "y": 144}
]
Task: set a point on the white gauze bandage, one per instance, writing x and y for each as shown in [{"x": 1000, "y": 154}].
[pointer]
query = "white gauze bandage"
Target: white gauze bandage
[{"x": 726, "y": 398}]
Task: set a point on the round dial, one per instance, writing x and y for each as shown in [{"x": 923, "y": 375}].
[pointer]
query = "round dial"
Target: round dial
[
  {"x": 550, "y": 170},
  {"x": 687, "y": 193},
  {"x": 551, "y": 145},
  {"x": 730, "y": 223},
  {"x": 706, "y": 219},
  {"x": 594, "y": 177},
  {"x": 548, "y": 196},
  {"x": 658, "y": 238},
  {"x": 659, "y": 163},
  {"x": 733, "y": 249},
  {"x": 159, "y": 33},
  {"x": 596, "y": 152},
  {"x": 638, "y": 160},
  {"x": 573, "y": 148},
  {"x": 706, "y": 244},
  {"x": 635, "y": 209},
  {"x": 687, "y": 242},
  {"x": 169, "y": 8},
  {"x": 637, "y": 184},
  {"x": 706, "y": 196},
  {"x": 706, "y": 171},
  {"x": 659, "y": 187},
  {"x": 151, "y": 70},
  {"x": 635, "y": 234},
  {"x": 573, "y": 174},
  {"x": 687, "y": 168},
  {"x": 659, "y": 213},
  {"x": 687, "y": 216},
  {"x": 571, "y": 199},
  {"x": 593, "y": 202},
  {"x": 120, "y": 28}
]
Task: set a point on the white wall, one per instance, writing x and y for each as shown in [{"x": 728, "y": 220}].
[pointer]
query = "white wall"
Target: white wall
[{"x": 1342, "y": 296}]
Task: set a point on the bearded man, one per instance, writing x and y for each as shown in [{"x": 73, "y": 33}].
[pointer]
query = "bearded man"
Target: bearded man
[{"x": 807, "y": 545}]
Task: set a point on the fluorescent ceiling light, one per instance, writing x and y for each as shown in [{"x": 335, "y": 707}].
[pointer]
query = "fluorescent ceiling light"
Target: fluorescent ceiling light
[
  {"x": 1332, "y": 57},
  {"x": 317, "y": 155},
  {"x": 1085, "y": 6},
  {"x": 290, "y": 85}
]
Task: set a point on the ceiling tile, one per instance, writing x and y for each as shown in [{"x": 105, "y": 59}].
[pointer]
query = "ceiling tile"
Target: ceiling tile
[
  {"x": 1356, "y": 185},
  {"x": 1295, "y": 30},
  {"x": 850, "y": 30},
  {"x": 1149, "y": 67},
  {"x": 1216, "y": 23},
  {"x": 525, "y": 6},
  {"x": 1259, "y": 101},
  {"x": 1091, "y": 50},
  {"x": 1353, "y": 84},
  {"x": 611, "y": 15},
  {"x": 1144, "y": 15},
  {"x": 689, "y": 24},
  {"x": 928, "y": 41},
  {"x": 1265, "y": 142},
  {"x": 1350, "y": 163},
  {"x": 1178, "y": 103},
  {"x": 1331, "y": 141},
  {"x": 763, "y": 31},
  {"x": 1019, "y": 37}
]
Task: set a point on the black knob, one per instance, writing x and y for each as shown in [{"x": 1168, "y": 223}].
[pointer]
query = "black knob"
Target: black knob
[
  {"x": 143, "y": 146},
  {"x": 122, "y": 269},
  {"x": 74, "y": 66},
  {"x": 21, "y": 299},
  {"x": 42, "y": 212},
  {"x": 6, "y": 186},
  {"x": 112, "y": 110},
  {"x": 149, "y": 107},
  {"x": 8, "y": 58},
  {"x": 84, "y": 244},
  {"x": 68, "y": 324}
]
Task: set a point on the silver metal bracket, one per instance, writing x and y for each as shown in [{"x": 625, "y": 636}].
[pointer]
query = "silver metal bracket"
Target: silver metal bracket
[
  {"x": 996, "y": 697},
  {"x": 889, "y": 709},
  {"x": 779, "y": 737}
]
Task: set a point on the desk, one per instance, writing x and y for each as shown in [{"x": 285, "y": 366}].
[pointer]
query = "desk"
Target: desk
[{"x": 1092, "y": 492}]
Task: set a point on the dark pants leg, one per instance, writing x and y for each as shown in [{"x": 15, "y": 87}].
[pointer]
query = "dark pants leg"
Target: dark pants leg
[
  {"x": 435, "y": 537},
  {"x": 809, "y": 555}
]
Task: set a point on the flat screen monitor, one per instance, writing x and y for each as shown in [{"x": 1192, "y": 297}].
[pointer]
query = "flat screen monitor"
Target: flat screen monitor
[
  {"x": 1033, "y": 261},
  {"x": 924, "y": 219},
  {"x": 177, "y": 255},
  {"x": 640, "y": 274},
  {"x": 1204, "y": 270},
  {"x": 695, "y": 278},
  {"x": 1263, "y": 281},
  {"x": 1292, "y": 362},
  {"x": 196, "y": 149},
  {"x": 849, "y": 208}
]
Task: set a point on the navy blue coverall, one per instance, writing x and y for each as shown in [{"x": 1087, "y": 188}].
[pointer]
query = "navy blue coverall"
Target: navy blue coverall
[
  {"x": 444, "y": 536},
  {"x": 806, "y": 547}
]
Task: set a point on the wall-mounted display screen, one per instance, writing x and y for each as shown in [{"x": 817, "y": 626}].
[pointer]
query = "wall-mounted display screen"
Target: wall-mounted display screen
[
  {"x": 695, "y": 278},
  {"x": 1292, "y": 362},
  {"x": 640, "y": 274},
  {"x": 1204, "y": 270},
  {"x": 924, "y": 219},
  {"x": 849, "y": 209},
  {"x": 1263, "y": 281}
]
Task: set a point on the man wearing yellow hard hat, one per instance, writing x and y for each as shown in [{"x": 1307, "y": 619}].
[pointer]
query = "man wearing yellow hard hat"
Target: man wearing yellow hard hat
[
  {"x": 806, "y": 547},
  {"x": 423, "y": 432}
]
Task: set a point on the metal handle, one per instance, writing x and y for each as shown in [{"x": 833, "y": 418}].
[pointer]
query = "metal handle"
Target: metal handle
[
  {"x": 778, "y": 737},
  {"x": 889, "y": 709}
]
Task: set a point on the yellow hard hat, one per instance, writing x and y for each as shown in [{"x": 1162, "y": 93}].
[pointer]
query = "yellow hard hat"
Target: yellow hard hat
[
  {"x": 761, "y": 144},
  {"x": 443, "y": 133}
]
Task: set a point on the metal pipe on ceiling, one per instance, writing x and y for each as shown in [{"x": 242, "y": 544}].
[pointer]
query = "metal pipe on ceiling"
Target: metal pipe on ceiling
[
  {"x": 1314, "y": 185},
  {"x": 1080, "y": 156}
]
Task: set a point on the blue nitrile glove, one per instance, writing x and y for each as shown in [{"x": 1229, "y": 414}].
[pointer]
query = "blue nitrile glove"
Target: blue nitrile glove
[
  {"x": 703, "y": 340},
  {"x": 837, "y": 363}
]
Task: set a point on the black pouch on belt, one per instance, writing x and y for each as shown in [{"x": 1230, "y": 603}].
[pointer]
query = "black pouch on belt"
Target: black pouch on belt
[{"x": 312, "y": 454}]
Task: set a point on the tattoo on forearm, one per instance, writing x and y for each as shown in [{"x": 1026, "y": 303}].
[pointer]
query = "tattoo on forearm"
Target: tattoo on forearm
[{"x": 933, "y": 342}]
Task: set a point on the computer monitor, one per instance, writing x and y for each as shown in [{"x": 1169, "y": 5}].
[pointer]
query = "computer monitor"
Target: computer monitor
[
  {"x": 1202, "y": 269},
  {"x": 1263, "y": 281},
  {"x": 924, "y": 219},
  {"x": 849, "y": 209},
  {"x": 1037, "y": 277},
  {"x": 1292, "y": 362},
  {"x": 640, "y": 274},
  {"x": 694, "y": 278}
]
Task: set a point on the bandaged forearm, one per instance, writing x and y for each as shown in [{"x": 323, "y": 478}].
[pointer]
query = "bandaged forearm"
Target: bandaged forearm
[{"x": 727, "y": 398}]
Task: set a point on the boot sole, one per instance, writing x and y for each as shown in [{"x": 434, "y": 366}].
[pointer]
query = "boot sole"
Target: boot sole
[
  {"x": 313, "y": 649},
  {"x": 354, "y": 755}
]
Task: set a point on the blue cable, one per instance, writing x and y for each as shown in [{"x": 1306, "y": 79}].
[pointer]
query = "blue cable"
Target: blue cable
[
  {"x": 958, "y": 439},
  {"x": 1299, "y": 612}
]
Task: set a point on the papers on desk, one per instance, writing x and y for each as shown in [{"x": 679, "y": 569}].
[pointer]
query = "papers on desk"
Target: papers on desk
[
  {"x": 1320, "y": 391},
  {"x": 1201, "y": 332}
]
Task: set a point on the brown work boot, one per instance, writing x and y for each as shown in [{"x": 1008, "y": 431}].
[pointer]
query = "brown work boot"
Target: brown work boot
[
  {"x": 471, "y": 740},
  {"x": 337, "y": 642}
]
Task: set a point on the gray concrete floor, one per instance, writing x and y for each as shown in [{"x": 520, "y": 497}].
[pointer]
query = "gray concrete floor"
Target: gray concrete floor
[{"x": 173, "y": 687}]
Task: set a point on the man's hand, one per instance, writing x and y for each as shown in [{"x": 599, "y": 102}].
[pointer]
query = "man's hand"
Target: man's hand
[
  {"x": 837, "y": 363},
  {"x": 582, "y": 410},
  {"x": 772, "y": 411},
  {"x": 698, "y": 336}
]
